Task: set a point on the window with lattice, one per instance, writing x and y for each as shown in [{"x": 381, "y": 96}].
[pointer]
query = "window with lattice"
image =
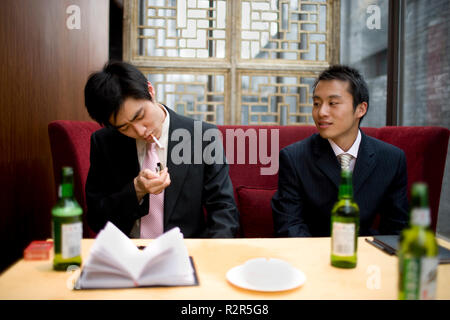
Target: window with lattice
[{"x": 235, "y": 61}]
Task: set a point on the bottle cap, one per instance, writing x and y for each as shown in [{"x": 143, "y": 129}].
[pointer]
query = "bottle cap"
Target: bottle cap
[{"x": 66, "y": 171}]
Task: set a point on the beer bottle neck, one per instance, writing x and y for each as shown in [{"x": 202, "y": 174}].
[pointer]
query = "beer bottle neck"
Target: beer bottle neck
[
  {"x": 421, "y": 217},
  {"x": 420, "y": 210},
  {"x": 346, "y": 186},
  {"x": 66, "y": 190},
  {"x": 66, "y": 186}
]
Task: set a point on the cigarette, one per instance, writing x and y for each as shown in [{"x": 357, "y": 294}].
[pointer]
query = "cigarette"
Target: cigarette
[{"x": 156, "y": 141}]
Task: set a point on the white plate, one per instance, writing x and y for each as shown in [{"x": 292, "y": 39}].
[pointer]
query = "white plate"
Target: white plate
[{"x": 270, "y": 275}]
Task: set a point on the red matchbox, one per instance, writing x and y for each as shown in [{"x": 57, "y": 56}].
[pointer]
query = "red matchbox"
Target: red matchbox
[{"x": 38, "y": 250}]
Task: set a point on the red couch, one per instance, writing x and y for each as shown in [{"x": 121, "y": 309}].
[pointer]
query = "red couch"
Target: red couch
[{"x": 425, "y": 149}]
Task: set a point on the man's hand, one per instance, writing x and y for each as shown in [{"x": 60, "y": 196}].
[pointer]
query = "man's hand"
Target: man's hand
[{"x": 150, "y": 182}]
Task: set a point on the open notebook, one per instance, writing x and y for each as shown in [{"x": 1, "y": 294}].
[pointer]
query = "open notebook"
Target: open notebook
[
  {"x": 115, "y": 262},
  {"x": 389, "y": 244}
]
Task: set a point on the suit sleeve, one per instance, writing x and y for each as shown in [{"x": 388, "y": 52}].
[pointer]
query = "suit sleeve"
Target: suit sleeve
[
  {"x": 218, "y": 200},
  {"x": 287, "y": 202},
  {"x": 121, "y": 206},
  {"x": 394, "y": 216}
]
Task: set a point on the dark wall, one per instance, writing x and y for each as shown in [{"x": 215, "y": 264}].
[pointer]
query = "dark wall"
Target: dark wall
[
  {"x": 44, "y": 67},
  {"x": 115, "y": 29}
]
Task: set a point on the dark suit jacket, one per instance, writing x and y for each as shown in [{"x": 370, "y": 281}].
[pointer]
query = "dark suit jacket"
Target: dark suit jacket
[
  {"x": 110, "y": 193},
  {"x": 308, "y": 185}
]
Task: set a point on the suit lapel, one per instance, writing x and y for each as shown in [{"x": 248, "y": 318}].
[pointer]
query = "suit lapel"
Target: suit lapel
[
  {"x": 177, "y": 172},
  {"x": 326, "y": 160},
  {"x": 365, "y": 163},
  {"x": 126, "y": 155}
]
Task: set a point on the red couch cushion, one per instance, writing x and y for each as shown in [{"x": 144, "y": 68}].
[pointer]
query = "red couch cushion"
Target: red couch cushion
[
  {"x": 249, "y": 174},
  {"x": 426, "y": 150},
  {"x": 255, "y": 212},
  {"x": 70, "y": 143}
]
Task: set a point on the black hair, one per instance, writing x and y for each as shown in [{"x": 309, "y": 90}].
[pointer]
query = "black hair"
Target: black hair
[
  {"x": 106, "y": 90},
  {"x": 357, "y": 88}
]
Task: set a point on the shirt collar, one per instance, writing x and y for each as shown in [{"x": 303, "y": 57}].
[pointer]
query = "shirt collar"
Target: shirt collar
[{"x": 353, "y": 149}]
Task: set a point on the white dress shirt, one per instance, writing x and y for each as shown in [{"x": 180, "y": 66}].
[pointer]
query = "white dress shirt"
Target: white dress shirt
[{"x": 353, "y": 151}]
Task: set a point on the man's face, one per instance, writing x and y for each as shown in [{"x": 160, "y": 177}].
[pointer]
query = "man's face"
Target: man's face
[
  {"x": 139, "y": 119},
  {"x": 333, "y": 112}
]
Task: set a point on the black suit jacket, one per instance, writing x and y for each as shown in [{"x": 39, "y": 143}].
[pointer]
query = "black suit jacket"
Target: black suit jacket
[
  {"x": 110, "y": 193},
  {"x": 308, "y": 186}
]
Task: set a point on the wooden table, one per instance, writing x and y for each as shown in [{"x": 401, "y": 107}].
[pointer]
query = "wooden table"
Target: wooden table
[{"x": 375, "y": 277}]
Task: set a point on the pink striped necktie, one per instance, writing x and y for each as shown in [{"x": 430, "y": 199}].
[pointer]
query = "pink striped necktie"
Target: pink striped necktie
[{"x": 152, "y": 225}]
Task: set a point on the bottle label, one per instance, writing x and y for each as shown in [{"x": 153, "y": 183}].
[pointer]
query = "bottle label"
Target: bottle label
[
  {"x": 71, "y": 240},
  {"x": 419, "y": 278},
  {"x": 420, "y": 217},
  {"x": 343, "y": 239}
]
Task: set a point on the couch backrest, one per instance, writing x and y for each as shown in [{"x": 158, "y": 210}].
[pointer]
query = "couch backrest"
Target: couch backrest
[
  {"x": 425, "y": 149},
  {"x": 70, "y": 143},
  {"x": 426, "y": 152}
]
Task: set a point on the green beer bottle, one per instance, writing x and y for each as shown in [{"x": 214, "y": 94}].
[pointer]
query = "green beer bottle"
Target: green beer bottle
[
  {"x": 344, "y": 221},
  {"x": 67, "y": 226},
  {"x": 418, "y": 251}
]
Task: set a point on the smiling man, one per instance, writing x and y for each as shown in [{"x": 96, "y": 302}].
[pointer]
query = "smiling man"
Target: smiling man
[
  {"x": 124, "y": 184},
  {"x": 309, "y": 174}
]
